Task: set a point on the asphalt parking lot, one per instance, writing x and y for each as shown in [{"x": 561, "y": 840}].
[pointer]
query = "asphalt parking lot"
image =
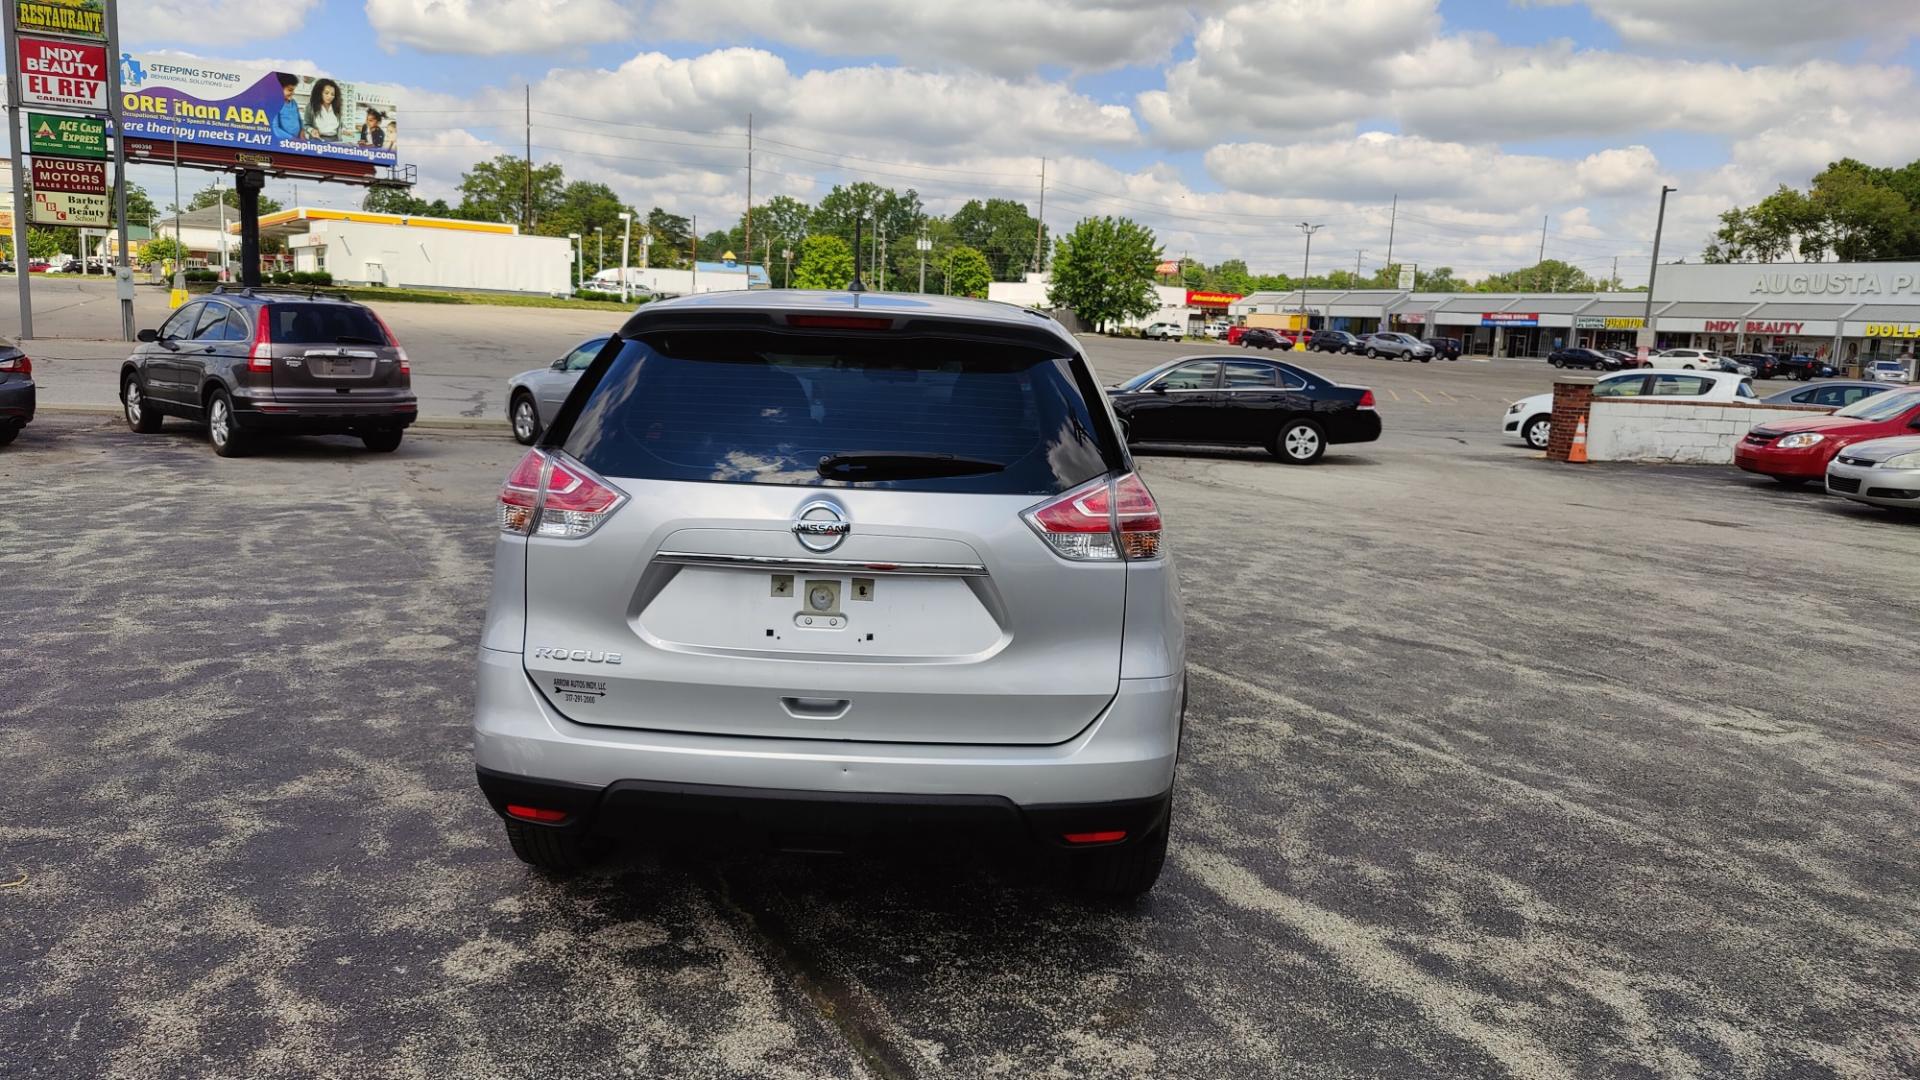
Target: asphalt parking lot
[{"x": 1494, "y": 768}]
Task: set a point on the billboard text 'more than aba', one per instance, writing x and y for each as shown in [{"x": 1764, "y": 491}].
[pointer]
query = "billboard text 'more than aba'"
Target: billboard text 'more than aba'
[{"x": 224, "y": 105}]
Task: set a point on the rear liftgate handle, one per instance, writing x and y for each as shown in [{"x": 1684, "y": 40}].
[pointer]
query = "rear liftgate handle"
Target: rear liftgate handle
[{"x": 810, "y": 708}]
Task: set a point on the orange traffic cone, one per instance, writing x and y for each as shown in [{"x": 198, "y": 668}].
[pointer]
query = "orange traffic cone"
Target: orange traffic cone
[{"x": 1578, "y": 452}]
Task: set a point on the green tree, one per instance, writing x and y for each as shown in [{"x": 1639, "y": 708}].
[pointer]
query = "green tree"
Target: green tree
[
  {"x": 825, "y": 262},
  {"x": 1231, "y": 276},
  {"x": 782, "y": 219},
  {"x": 672, "y": 238},
  {"x": 497, "y": 190},
  {"x": 1852, "y": 211},
  {"x": 1438, "y": 279},
  {"x": 159, "y": 249},
  {"x": 139, "y": 206},
  {"x": 399, "y": 200},
  {"x": 1103, "y": 271},
  {"x": 1003, "y": 231},
  {"x": 965, "y": 271},
  {"x": 1551, "y": 275},
  {"x": 217, "y": 193}
]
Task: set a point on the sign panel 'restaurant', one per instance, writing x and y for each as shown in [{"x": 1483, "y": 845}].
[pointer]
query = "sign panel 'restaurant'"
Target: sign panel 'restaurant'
[
  {"x": 65, "y": 74},
  {"x": 76, "y": 18},
  {"x": 281, "y": 112}
]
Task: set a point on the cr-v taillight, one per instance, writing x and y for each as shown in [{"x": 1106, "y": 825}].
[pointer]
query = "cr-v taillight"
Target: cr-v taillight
[
  {"x": 1102, "y": 521},
  {"x": 260, "y": 357},
  {"x": 552, "y": 495},
  {"x": 400, "y": 353}
]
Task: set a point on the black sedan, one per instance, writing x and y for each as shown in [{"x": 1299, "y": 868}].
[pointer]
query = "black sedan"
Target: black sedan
[
  {"x": 1262, "y": 338},
  {"x": 1583, "y": 358},
  {"x": 1223, "y": 401},
  {"x": 1334, "y": 341},
  {"x": 16, "y": 392}
]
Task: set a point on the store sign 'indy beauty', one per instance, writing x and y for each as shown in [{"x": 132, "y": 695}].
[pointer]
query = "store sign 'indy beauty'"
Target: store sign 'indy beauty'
[
  {"x": 281, "y": 112},
  {"x": 64, "y": 74}
]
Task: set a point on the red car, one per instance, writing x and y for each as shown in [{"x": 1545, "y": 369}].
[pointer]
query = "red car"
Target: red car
[{"x": 1795, "y": 451}]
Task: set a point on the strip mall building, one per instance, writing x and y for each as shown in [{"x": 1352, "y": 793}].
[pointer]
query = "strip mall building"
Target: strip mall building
[{"x": 1843, "y": 311}]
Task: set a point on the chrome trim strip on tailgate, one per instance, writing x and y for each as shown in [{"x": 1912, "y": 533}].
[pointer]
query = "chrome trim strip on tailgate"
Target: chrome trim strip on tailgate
[{"x": 829, "y": 566}]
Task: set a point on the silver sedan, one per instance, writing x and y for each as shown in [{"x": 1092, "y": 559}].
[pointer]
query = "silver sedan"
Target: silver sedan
[
  {"x": 1884, "y": 472},
  {"x": 533, "y": 397}
]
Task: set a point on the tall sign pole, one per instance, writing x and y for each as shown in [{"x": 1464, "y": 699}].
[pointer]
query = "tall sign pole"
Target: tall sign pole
[
  {"x": 123, "y": 267},
  {"x": 1648, "y": 338},
  {"x": 20, "y": 264}
]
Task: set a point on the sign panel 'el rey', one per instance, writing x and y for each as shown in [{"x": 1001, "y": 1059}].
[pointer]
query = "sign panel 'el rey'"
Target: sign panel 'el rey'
[
  {"x": 64, "y": 74},
  {"x": 72, "y": 18}
]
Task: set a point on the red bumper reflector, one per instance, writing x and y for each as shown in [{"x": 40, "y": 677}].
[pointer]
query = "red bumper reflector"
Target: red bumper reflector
[
  {"x": 1107, "y": 837},
  {"x": 535, "y": 813}
]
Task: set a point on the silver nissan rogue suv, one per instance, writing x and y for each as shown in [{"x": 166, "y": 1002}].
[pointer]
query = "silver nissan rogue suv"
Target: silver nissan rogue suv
[{"x": 834, "y": 570}]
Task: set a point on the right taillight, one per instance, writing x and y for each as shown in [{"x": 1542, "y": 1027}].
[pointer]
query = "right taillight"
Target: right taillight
[
  {"x": 260, "y": 357},
  {"x": 17, "y": 365},
  {"x": 1366, "y": 399},
  {"x": 551, "y": 495},
  {"x": 1102, "y": 521}
]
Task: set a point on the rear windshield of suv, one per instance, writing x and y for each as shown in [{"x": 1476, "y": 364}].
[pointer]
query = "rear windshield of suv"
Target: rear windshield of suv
[
  {"x": 918, "y": 414},
  {"x": 324, "y": 324}
]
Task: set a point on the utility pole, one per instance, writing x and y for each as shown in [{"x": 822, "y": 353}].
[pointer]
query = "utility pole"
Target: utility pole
[
  {"x": 1306, "y": 265},
  {"x": 21, "y": 259},
  {"x": 526, "y": 198},
  {"x": 626, "y": 241},
  {"x": 747, "y": 241},
  {"x": 924, "y": 245},
  {"x": 1539, "y": 265},
  {"x": 1647, "y": 338},
  {"x": 1613, "y": 283},
  {"x": 600, "y": 260},
  {"x": 1040, "y": 225},
  {"x": 123, "y": 267},
  {"x": 1356, "y": 268},
  {"x": 693, "y": 226},
  {"x": 1393, "y": 218},
  {"x": 880, "y": 252}
]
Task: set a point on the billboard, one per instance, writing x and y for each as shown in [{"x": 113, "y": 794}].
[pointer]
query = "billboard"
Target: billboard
[
  {"x": 222, "y": 105},
  {"x": 64, "y": 74},
  {"x": 74, "y": 18}
]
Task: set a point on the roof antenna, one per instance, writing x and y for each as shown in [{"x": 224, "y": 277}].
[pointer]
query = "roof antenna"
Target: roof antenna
[{"x": 856, "y": 285}]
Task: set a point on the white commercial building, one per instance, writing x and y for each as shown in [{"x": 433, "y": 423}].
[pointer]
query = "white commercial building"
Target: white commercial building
[
  {"x": 705, "y": 277},
  {"x": 362, "y": 248}
]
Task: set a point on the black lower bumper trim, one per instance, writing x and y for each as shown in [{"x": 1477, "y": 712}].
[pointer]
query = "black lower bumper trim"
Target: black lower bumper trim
[{"x": 835, "y": 821}]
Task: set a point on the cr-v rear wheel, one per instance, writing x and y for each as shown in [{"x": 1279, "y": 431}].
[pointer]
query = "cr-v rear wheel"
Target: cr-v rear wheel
[
  {"x": 222, "y": 432},
  {"x": 557, "y": 851},
  {"x": 140, "y": 416},
  {"x": 382, "y": 440}
]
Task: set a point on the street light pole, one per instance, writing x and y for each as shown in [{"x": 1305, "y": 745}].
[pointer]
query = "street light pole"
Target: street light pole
[
  {"x": 600, "y": 260},
  {"x": 579, "y": 260},
  {"x": 1306, "y": 265},
  {"x": 625, "y": 240},
  {"x": 925, "y": 245},
  {"x": 1647, "y": 337},
  {"x": 787, "y": 254}
]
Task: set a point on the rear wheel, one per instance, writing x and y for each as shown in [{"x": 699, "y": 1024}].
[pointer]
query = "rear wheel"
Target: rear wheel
[
  {"x": 1790, "y": 481},
  {"x": 1537, "y": 431},
  {"x": 1123, "y": 872},
  {"x": 1300, "y": 442},
  {"x": 383, "y": 440},
  {"x": 140, "y": 417},
  {"x": 222, "y": 432},
  {"x": 557, "y": 851},
  {"x": 10, "y": 432}
]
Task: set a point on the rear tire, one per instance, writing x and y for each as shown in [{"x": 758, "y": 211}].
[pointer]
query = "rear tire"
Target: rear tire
[
  {"x": 10, "y": 432},
  {"x": 526, "y": 419},
  {"x": 1300, "y": 442},
  {"x": 382, "y": 441},
  {"x": 141, "y": 416},
  {"x": 222, "y": 431},
  {"x": 1125, "y": 872},
  {"x": 1791, "y": 482},
  {"x": 561, "y": 852}
]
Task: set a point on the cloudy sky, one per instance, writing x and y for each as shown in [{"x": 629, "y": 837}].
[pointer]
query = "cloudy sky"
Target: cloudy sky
[{"x": 1219, "y": 124}]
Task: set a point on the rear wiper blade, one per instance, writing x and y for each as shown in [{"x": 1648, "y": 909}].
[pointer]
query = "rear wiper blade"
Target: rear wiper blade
[{"x": 901, "y": 465}]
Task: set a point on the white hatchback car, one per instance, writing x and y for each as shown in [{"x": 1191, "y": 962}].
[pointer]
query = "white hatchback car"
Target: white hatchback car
[
  {"x": 1164, "y": 331},
  {"x": 1531, "y": 419}
]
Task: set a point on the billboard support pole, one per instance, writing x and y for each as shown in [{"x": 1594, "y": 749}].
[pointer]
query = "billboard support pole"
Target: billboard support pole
[
  {"x": 123, "y": 271},
  {"x": 247, "y": 185},
  {"x": 20, "y": 262}
]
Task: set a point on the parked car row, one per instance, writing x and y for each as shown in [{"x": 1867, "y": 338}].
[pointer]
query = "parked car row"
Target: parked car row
[
  {"x": 1530, "y": 419},
  {"x": 1805, "y": 448}
]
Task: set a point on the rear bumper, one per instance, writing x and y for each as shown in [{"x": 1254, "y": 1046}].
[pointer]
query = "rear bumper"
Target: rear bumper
[
  {"x": 293, "y": 418},
  {"x": 1126, "y": 754},
  {"x": 17, "y": 402},
  {"x": 776, "y": 818},
  {"x": 1362, "y": 426}
]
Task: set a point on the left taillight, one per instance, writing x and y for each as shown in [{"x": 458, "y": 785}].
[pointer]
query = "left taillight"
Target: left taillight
[
  {"x": 1366, "y": 399},
  {"x": 552, "y": 495},
  {"x": 260, "y": 357},
  {"x": 17, "y": 365}
]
